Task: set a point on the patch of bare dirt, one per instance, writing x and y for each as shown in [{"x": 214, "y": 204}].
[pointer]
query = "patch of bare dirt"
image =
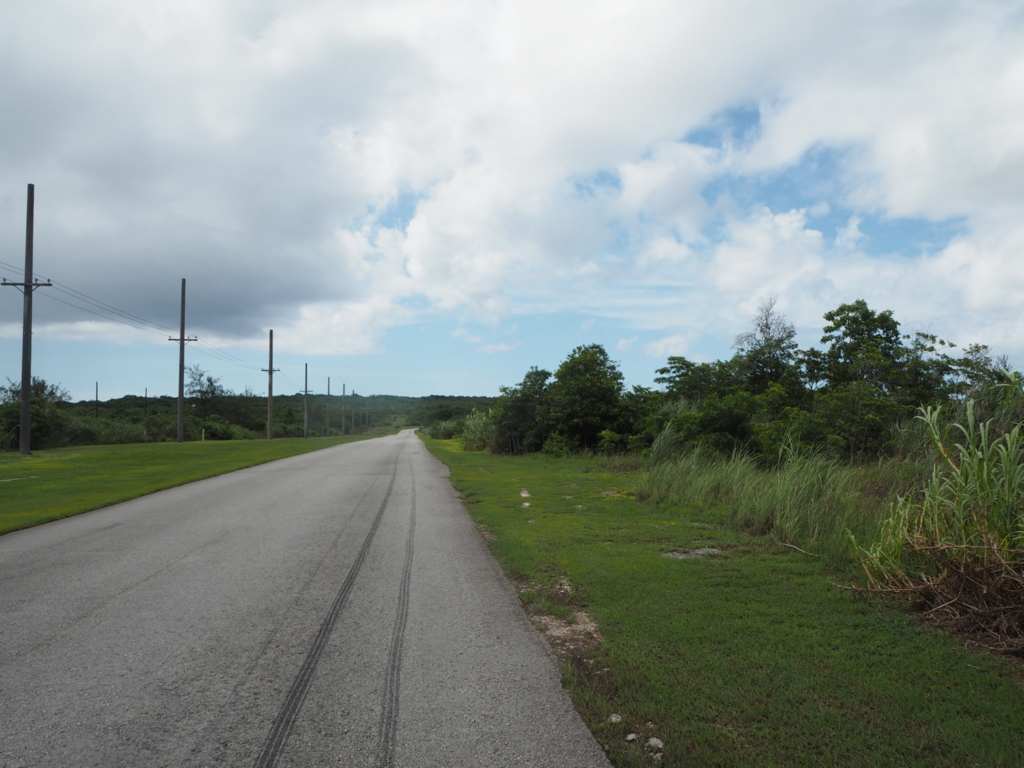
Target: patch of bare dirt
[{"x": 571, "y": 638}]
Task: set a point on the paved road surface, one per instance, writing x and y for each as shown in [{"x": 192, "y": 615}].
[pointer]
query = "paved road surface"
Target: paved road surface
[{"x": 336, "y": 608}]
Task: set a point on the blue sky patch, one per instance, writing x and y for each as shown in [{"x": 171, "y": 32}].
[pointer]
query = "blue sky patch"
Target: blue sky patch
[
  {"x": 739, "y": 125},
  {"x": 400, "y": 211},
  {"x": 596, "y": 184}
]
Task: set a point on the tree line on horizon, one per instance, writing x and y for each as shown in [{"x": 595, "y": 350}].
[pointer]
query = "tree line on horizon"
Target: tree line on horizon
[
  {"x": 213, "y": 412},
  {"x": 843, "y": 399}
]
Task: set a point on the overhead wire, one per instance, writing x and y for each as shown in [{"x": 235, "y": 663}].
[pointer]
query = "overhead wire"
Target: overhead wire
[
  {"x": 105, "y": 317},
  {"x": 111, "y": 313}
]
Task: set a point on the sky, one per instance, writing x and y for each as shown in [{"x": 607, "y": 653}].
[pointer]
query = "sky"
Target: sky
[{"x": 424, "y": 197}]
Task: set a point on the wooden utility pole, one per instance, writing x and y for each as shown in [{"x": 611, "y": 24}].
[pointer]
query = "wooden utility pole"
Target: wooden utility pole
[
  {"x": 269, "y": 370},
  {"x": 328, "y": 406},
  {"x": 305, "y": 404},
  {"x": 182, "y": 341},
  {"x": 343, "y": 409},
  {"x": 27, "y": 288}
]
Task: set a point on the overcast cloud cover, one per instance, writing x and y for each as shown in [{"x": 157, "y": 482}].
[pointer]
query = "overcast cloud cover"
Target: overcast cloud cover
[{"x": 427, "y": 197}]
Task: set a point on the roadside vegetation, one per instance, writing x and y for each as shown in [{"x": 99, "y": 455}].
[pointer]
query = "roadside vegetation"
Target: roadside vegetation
[
  {"x": 678, "y": 622},
  {"x": 49, "y": 485},
  {"x": 729, "y": 571},
  {"x": 212, "y": 412},
  {"x": 880, "y": 447}
]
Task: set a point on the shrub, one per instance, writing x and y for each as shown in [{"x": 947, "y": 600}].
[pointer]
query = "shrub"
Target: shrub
[
  {"x": 957, "y": 543},
  {"x": 808, "y": 500},
  {"x": 446, "y": 430},
  {"x": 478, "y": 433}
]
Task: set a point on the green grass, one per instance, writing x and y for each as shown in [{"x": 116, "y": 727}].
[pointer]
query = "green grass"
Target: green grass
[
  {"x": 814, "y": 502},
  {"x": 746, "y": 657},
  {"x": 49, "y": 485}
]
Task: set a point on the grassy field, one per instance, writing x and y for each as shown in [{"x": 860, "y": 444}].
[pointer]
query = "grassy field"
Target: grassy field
[
  {"x": 49, "y": 485},
  {"x": 744, "y": 656}
]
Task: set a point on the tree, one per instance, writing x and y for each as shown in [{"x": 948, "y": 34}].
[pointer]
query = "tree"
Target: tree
[
  {"x": 695, "y": 381},
  {"x": 584, "y": 398},
  {"x": 204, "y": 389},
  {"x": 863, "y": 346},
  {"x": 767, "y": 354},
  {"x": 47, "y": 419},
  {"x": 41, "y": 390},
  {"x": 518, "y": 415}
]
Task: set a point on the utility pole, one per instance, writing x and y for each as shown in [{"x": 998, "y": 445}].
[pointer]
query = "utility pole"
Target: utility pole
[
  {"x": 328, "y": 406},
  {"x": 269, "y": 370},
  {"x": 305, "y": 405},
  {"x": 27, "y": 288},
  {"x": 96, "y": 412},
  {"x": 343, "y": 409},
  {"x": 182, "y": 341}
]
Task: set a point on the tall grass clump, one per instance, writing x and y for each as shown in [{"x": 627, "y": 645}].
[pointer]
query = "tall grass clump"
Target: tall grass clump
[
  {"x": 478, "y": 433},
  {"x": 808, "y": 500},
  {"x": 447, "y": 429},
  {"x": 957, "y": 542}
]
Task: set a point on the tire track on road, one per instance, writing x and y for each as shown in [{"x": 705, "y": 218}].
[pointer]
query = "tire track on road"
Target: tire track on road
[
  {"x": 289, "y": 712},
  {"x": 389, "y": 704}
]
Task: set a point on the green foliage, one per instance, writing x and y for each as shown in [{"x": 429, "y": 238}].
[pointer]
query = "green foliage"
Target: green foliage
[
  {"x": 958, "y": 540},
  {"x": 520, "y": 419},
  {"x": 478, "y": 433},
  {"x": 809, "y": 500},
  {"x": 211, "y": 410},
  {"x": 686, "y": 380},
  {"x": 585, "y": 395},
  {"x": 48, "y": 421},
  {"x": 766, "y": 355},
  {"x": 446, "y": 430},
  {"x": 846, "y": 400}
]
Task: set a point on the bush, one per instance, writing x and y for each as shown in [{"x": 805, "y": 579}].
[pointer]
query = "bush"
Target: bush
[
  {"x": 957, "y": 542},
  {"x": 559, "y": 446},
  {"x": 446, "y": 430},
  {"x": 808, "y": 500},
  {"x": 478, "y": 433}
]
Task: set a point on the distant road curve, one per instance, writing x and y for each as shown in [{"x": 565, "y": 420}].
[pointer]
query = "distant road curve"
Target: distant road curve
[{"x": 334, "y": 608}]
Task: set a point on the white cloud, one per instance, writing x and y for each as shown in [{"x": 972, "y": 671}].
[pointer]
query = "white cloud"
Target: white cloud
[
  {"x": 767, "y": 254},
  {"x": 255, "y": 146},
  {"x": 677, "y": 344},
  {"x": 625, "y": 345},
  {"x": 493, "y": 349}
]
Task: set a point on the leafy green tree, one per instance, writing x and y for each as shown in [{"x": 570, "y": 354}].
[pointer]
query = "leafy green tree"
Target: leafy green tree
[
  {"x": 518, "y": 415},
  {"x": 684, "y": 379},
  {"x": 41, "y": 390},
  {"x": 767, "y": 354},
  {"x": 862, "y": 346},
  {"x": 642, "y": 416},
  {"x": 585, "y": 396},
  {"x": 205, "y": 391},
  {"x": 48, "y": 421}
]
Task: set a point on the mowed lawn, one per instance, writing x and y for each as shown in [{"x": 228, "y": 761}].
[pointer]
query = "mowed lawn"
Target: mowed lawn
[
  {"x": 747, "y": 656},
  {"x": 49, "y": 485}
]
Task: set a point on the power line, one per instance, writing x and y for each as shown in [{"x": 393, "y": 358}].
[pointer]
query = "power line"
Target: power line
[
  {"x": 103, "y": 310},
  {"x": 103, "y": 305},
  {"x": 227, "y": 357},
  {"x": 111, "y": 313},
  {"x": 98, "y": 314}
]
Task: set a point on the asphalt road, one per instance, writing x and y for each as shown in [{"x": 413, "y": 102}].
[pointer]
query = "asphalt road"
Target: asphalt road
[{"x": 336, "y": 608}]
